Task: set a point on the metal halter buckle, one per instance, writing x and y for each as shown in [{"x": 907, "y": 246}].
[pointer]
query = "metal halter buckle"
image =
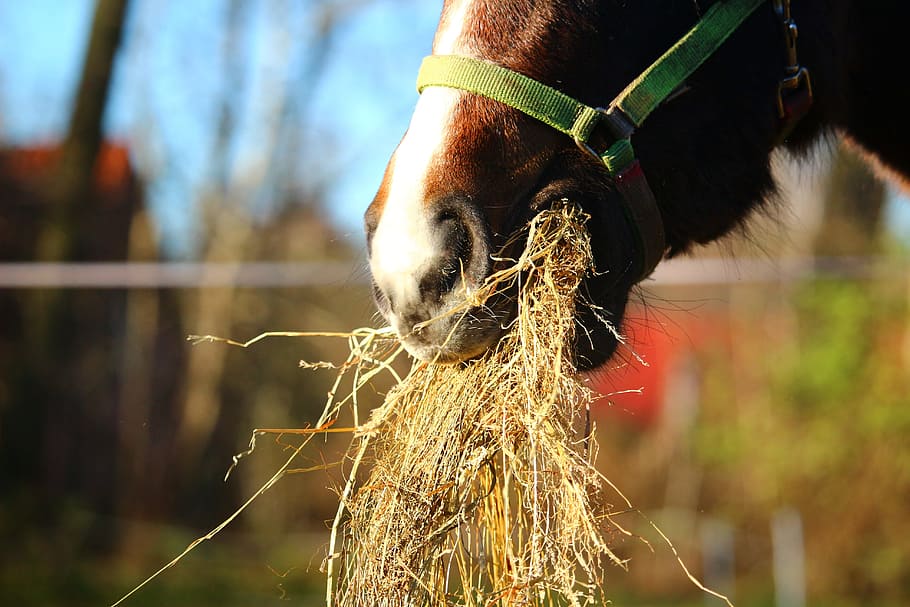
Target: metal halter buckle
[
  {"x": 617, "y": 126},
  {"x": 794, "y": 92},
  {"x": 797, "y": 86}
]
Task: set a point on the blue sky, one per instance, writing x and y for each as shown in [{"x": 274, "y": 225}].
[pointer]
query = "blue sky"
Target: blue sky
[
  {"x": 40, "y": 51},
  {"x": 170, "y": 78}
]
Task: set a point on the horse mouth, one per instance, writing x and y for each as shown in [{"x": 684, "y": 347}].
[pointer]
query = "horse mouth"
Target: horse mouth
[
  {"x": 451, "y": 341},
  {"x": 452, "y": 331}
]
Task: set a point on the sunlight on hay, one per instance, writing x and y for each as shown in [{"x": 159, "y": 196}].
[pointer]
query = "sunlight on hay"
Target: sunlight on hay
[{"x": 480, "y": 488}]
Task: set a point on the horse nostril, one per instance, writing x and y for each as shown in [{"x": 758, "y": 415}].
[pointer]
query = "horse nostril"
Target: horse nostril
[
  {"x": 439, "y": 281},
  {"x": 457, "y": 230},
  {"x": 446, "y": 215},
  {"x": 370, "y": 223},
  {"x": 455, "y": 239}
]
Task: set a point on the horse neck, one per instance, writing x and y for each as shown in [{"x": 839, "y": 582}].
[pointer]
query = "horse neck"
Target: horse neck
[{"x": 875, "y": 93}]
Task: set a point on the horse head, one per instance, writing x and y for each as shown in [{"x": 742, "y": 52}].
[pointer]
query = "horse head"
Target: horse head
[{"x": 470, "y": 170}]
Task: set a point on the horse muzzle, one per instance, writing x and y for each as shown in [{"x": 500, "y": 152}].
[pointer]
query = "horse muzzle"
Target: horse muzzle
[{"x": 425, "y": 267}]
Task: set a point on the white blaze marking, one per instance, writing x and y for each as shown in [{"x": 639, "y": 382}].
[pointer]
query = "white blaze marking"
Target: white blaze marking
[
  {"x": 448, "y": 40},
  {"x": 404, "y": 246}
]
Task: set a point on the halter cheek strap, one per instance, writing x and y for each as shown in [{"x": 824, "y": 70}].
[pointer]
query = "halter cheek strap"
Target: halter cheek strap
[{"x": 586, "y": 124}]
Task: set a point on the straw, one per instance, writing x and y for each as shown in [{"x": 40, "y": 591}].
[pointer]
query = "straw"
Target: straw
[{"x": 482, "y": 489}]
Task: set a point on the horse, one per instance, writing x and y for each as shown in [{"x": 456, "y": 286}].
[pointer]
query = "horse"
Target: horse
[{"x": 471, "y": 168}]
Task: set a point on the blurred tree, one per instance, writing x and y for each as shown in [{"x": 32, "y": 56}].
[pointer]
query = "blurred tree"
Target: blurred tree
[
  {"x": 227, "y": 235},
  {"x": 253, "y": 204},
  {"x": 66, "y": 334},
  {"x": 109, "y": 420},
  {"x": 70, "y": 189}
]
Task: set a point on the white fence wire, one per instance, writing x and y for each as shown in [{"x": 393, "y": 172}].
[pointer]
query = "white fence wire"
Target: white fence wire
[{"x": 674, "y": 272}]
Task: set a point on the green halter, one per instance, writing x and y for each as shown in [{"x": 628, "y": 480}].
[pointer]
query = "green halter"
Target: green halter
[{"x": 627, "y": 111}]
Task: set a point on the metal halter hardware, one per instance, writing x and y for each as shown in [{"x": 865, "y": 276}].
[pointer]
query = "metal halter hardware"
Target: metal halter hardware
[
  {"x": 617, "y": 123},
  {"x": 794, "y": 91}
]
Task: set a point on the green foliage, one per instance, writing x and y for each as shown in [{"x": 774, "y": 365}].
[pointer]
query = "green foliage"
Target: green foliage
[
  {"x": 810, "y": 408},
  {"x": 845, "y": 352}
]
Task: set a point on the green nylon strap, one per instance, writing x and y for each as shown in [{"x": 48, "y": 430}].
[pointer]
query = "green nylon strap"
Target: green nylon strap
[
  {"x": 618, "y": 156},
  {"x": 572, "y": 117},
  {"x": 511, "y": 88},
  {"x": 673, "y": 67}
]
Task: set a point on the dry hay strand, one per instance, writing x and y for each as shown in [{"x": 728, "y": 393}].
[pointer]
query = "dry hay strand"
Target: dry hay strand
[{"x": 483, "y": 489}]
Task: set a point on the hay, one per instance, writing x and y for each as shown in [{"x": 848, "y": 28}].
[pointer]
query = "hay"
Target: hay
[{"x": 482, "y": 489}]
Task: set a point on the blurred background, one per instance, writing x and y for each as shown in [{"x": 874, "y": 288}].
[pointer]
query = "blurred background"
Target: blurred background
[{"x": 169, "y": 168}]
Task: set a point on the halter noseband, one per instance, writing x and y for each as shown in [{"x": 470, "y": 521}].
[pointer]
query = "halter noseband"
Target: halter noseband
[{"x": 628, "y": 110}]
